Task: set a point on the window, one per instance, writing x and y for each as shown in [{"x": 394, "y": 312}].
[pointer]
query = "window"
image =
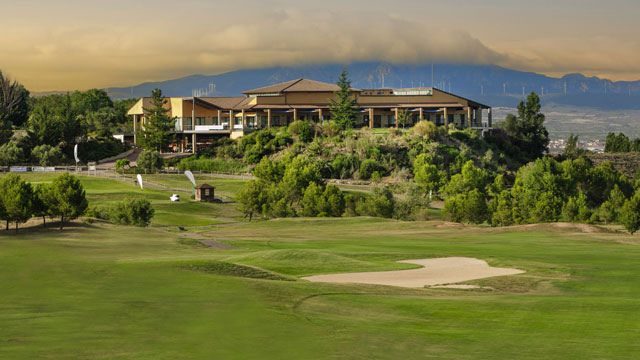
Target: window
[{"x": 201, "y": 120}]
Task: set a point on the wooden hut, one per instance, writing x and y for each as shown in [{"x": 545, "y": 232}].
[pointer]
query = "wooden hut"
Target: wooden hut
[{"x": 204, "y": 192}]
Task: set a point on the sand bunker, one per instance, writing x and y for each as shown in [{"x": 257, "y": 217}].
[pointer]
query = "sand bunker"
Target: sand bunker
[{"x": 434, "y": 272}]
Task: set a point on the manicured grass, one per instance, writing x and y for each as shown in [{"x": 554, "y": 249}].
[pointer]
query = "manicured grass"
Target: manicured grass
[
  {"x": 225, "y": 187},
  {"x": 105, "y": 291},
  {"x": 102, "y": 192}
]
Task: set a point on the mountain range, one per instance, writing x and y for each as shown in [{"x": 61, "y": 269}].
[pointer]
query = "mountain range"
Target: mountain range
[{"x": 490, "y": 84}]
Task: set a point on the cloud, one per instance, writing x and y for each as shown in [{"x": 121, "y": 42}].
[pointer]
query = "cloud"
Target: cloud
[
  {"x": 106, "y": 46},
  {"x": 84, "y": 56}
]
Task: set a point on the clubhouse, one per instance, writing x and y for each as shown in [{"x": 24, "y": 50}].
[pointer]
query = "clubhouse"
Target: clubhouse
[{"x": 200, "y": 120}]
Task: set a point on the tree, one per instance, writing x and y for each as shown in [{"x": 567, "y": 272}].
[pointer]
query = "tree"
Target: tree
[
  {"x": 69, "y": 196},
  {"x": 10, "y": 154},
  {"x": 468, "y": 207},
  {"x": 43, "y": 202},
  {"x": 528, "y": 127},
  {"x": 617, "y": 143},
  {"x": 159, "y": 125},
  {"x": 47, "y": 155},
  {"x": 150, "y": 160},
  {"x": 17, "y": 197},
  {"x": 403, "y": 117},
  {"x": 251, "y": 198},
  {"x": 70, "y": 122},
  {"x": 344, "y": 109},
  {"x": 43, "y": 128},
  {"x": 539, "y": 191},
  {"x": 13, "y": 106},
  {"x": 610, "y": 209},
  {"x": 630, "y": 214},
  {"x": 572, "y": 149}
]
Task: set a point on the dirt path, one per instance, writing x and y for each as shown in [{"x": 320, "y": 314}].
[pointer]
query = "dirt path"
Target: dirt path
[{"x": 434, "y": 272}]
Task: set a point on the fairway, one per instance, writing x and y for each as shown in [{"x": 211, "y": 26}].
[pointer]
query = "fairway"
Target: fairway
[{"x": 100, "y": 291}]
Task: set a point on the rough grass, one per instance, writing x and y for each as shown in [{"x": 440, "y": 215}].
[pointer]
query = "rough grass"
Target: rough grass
[{"x": 229, "y": 269}]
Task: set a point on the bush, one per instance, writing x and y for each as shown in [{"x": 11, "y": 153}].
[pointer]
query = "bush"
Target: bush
[
  {"x": 47, "y": 155},
  {"x": 426, "y": 129},
  {"x": 98, "y": 149},
  {"x": 380, "y": 203},
  {"x": 302, "y": 129},
  {"x": 122, "y": 163},
  {"x": 150, "y": 160},
  {"x": 367, "y": 168},
  {"x": 212, "y": 165},
  {"x": 136, "y": 212}
]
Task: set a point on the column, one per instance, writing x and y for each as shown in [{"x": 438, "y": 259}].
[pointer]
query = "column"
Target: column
[
  {"x": 396, "y": 112},
  {"x": 320, "y": 116},
  {"x": 193, "y": 140},
  {"x": 370, "y": 118},
  {"x": 479, "y": 116},
  {"x": 489, "y": 118},
  {"x": 468, "y": 116},
  {"x": 232, "y": 120},
  {"x": 295, "y": 114},
  {"x": 135, "y": 130},
  {"x": 244, "y": 119},
  {"x": 446, "y": 117},
  {"x": 193, "y": 115},
  {"x": 219, "y": 117},
  {"x": 421, "y": 114},
  {"x": 269, "y": 118}
]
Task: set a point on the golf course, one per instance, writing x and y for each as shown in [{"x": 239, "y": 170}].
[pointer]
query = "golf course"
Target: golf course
[{"x": 227, "y": 288}]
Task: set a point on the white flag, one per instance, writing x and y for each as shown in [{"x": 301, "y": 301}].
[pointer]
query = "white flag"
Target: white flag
[
  {"x": 75, "y": 153},
  {"x": 190, "y": 176},
  {"x": 140, "y": 182}
]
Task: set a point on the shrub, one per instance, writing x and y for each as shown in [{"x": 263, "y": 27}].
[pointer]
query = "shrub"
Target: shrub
[
  {"x": 150, "y": 160},
  {"x": 212, "y": 165},
  {"x": 367, "y": 168},
  {"x": 47, "y": 155},
  {"x": 302, "y": 129},
  {"x": 426, "y": 129},
  {"x": 330, "y": 128},
  {"x": 122, "y": 163},
  {"x": 380, "y": 203},
  {"x": 136, "y": 212}
]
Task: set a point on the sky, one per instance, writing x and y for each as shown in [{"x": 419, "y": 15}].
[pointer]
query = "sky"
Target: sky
[{"x": 80, "y": 44}]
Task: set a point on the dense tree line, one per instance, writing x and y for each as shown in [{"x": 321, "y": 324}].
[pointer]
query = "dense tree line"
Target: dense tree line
[
  {"x": 63, "y": 198},
  {"x": 43, "y": 130},
  {"x": 621, "y": 144}
]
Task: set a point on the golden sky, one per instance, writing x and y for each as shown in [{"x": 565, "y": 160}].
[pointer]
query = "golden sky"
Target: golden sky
[{"x": 67, "y": 45}]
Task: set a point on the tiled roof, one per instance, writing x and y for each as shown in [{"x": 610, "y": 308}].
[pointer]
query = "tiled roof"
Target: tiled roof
[{"x": 298, "y": 85}]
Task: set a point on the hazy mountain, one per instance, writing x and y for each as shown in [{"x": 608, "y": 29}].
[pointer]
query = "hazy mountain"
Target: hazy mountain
[{"x": 493, "y": 85}]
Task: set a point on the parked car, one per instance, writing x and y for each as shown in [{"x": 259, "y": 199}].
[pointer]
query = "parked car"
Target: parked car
[{"x": 175, "y": 197}]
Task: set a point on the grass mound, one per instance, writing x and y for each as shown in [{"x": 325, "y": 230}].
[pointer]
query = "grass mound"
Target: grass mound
[{"x": 229, "y": 269}]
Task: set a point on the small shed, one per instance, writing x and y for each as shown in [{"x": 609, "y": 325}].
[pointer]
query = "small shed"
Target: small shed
[{"x": 204, "y": 192}]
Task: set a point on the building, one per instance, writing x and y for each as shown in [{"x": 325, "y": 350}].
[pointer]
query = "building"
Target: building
[
  {"x": 204, "y": 192},
  {"x": 200, "y": 120}
]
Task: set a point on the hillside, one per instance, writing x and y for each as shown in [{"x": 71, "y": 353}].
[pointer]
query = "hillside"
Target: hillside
[{"x": 490, "y": 84}]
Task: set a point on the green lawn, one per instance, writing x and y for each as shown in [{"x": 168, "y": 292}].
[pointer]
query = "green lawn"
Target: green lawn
[
  {"x": 107, "y": 292},
  {"x": 102, "y": 191}
]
